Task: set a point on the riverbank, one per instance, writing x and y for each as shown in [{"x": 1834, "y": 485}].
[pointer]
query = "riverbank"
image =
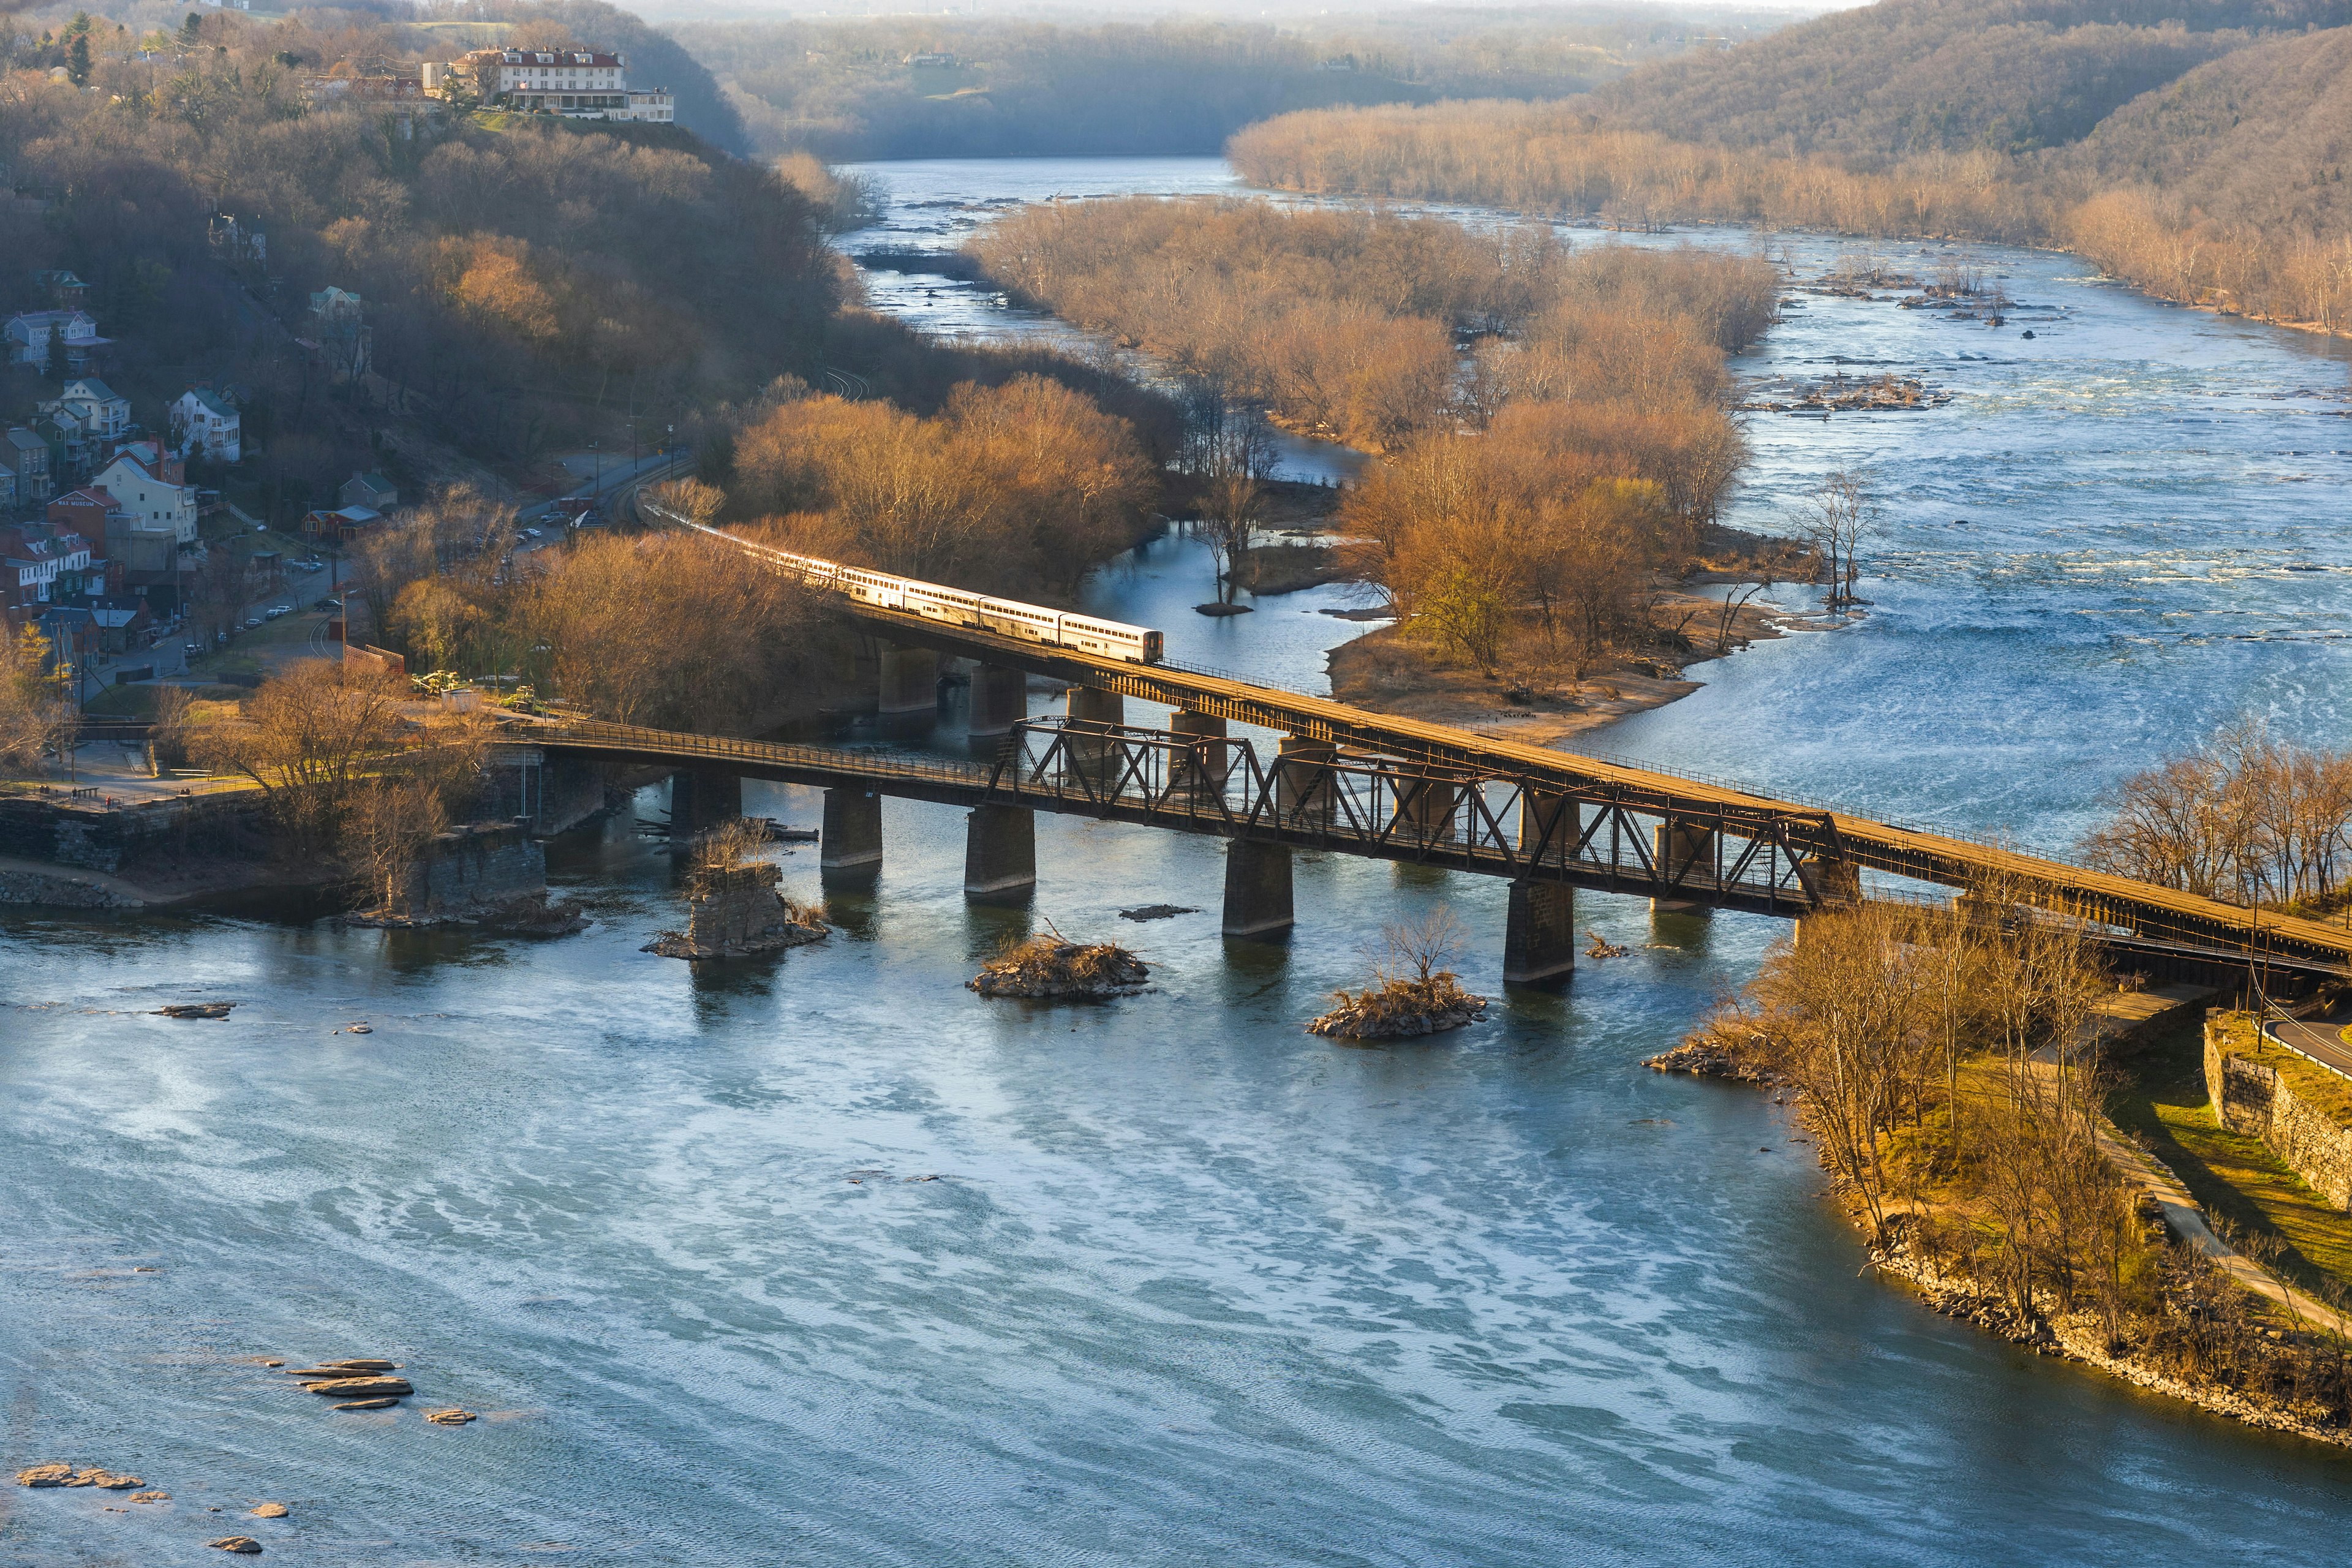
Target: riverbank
[
  {"x": 2198, "y": 1317},
  {"x": 1530, "y": 698}
]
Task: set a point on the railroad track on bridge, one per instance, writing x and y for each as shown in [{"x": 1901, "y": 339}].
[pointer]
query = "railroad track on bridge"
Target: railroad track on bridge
[
  {"x": 1529, "y": 826},
  {"x": 1837, "y": 844}
]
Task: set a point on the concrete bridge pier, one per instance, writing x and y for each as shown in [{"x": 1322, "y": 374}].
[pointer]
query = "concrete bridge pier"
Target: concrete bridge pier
[
  {"x": 1671, "y": 844},
  {"x": 700, "y": 799},
  {"x": 1200, "y": 776},
  {"x": 1542, "y": 811},
  {"x": 1000, "y": 699},
  {"x": 1258, "y": 889},
  {"x": 850, "y": 845},
  {"x": 1095, "y": 757},
  {"x": 1539, "y": 936},
  {"x": 910, "y": 688},
  {"x": 999, "y": 851},
  {"x": 1426, "y": 807},
  {"x": 1303, "y": 794}
]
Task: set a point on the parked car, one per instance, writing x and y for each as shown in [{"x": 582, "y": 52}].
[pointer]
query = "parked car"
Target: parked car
[
  {"x": 328, "y": 604},
  {"x": 272, "y": 612},
  {"x": 530, "y": 533},
  {"x": 251, "y": 622},
  {"x": 193, "y": 648}
]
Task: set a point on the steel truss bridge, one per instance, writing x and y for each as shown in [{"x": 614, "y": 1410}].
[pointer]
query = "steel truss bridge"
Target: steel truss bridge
[{"x": 1402, "y": 791}]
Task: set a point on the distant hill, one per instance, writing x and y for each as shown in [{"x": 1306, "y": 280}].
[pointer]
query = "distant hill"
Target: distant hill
[
  {"x": 2262, "y": 138},
  {"x": 905, "y": 86},
  {"x": 1871, "y": 86}
]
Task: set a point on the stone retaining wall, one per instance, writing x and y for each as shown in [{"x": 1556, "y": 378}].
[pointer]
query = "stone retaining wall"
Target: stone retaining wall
[
  {"x": 61, "y": 891},
  {"x": 196, "y": 827},
  {"x": 2253, "y": 1097}
]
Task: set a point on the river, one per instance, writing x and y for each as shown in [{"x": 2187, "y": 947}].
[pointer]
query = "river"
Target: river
[{"x": 1191, "y": 1286}]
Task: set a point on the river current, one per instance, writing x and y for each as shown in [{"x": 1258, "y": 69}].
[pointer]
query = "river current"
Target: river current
[{"x": 822, "y": 1259}]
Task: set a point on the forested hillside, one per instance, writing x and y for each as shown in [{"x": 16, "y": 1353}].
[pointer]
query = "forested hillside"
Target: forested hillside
[
  {"x": 2197, "y": 149},
  {"x": 958, "y": 86},
  {"x": 1875, "y": 84},
  {"x": 528, "y": 284}
]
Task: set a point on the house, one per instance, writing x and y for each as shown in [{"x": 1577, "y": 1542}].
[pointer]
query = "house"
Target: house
[
  {"x": 580, "y": 84},
  {"x": 370, "y": 491},
  {"x": 339, "y": 329},
  {"x": 147, "y": 482},
  {"x": 104, "y": 414},
  {"x": 7, "y": 489},
  {"x": 66, "y": 291},
  {"x": 930, "y": 58},
  {"x": 118, "y": 622},
  {"x": 344, "y": 523},
  {"x": 26, "y": 452},
  {"x": 46, "y": 563},
  {"x": 204, "y": 424},
  {"x": 30, "y": 335}
]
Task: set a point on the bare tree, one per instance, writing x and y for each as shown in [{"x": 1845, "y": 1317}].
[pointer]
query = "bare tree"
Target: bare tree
[{"x": 1843, "y": 511}]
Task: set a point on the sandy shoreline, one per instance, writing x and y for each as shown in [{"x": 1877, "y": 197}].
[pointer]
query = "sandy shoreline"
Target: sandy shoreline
[{"x": 1385, "y": 673}]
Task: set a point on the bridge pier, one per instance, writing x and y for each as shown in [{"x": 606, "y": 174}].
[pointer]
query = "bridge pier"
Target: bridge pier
[
  {"x": 1302, "y": 791},
  {"x": 1200, "y": 776},
  {"x": 1672, "y": 845},
  {"x": 1426, "y": 807},
  {"x": 1830, "y": 883},
  {"x": 850, "y": 845},
  {"x": 1091, "y": 756},
  {"x": 1258, "y": 889},
  {"x": 910, "y": 686},
  {"x": 999, "y": 851},
  {"x": 1545, "y": 812},
  {"x": 1539, "y": 936},
  {"x": 700, "y": 799},
  {"x": 1000, "y": 699}
]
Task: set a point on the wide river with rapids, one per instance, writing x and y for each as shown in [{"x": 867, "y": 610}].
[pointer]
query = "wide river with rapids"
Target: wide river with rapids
[{"x": 824, "y": 1259}]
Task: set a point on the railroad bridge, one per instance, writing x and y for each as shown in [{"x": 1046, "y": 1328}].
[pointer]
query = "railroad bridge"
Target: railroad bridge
[{"x": 1345, "y": 779}]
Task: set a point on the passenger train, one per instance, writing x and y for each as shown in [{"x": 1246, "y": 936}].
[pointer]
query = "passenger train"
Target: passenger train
[{"x": 955, "y": 607}]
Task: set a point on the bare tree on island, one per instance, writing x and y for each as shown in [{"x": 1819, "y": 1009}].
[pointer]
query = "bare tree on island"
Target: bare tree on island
[
  {"x": 1229, "y": 449},
  {"x": 1843, "y": 511}
]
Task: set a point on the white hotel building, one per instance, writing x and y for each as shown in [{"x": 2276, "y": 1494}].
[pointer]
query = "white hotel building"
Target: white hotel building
[{"x": 580, "y": 84}]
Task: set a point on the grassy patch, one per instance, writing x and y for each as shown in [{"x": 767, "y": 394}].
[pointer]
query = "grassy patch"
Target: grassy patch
[{"x": 2233, "y": 1175}]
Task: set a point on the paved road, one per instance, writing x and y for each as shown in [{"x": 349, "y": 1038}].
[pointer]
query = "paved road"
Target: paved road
[{"x": 2323, "y": 1043}]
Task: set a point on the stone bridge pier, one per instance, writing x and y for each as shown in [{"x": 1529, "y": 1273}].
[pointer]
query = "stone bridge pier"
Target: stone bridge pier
[
  {"x": 700, "y": 799},
  {"x": 1201, "y": 773},
  {"x": 1258, "y": 889},
  {"x": 910, "y": 688},
  {"x": 1680, "y": 848},
  {"x": 1000, "y": 699},
  {"x": 1000, "y": 852},
  {"x": 849, "y": 846}
]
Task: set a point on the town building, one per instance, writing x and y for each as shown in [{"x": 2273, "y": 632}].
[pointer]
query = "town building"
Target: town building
[
  {"x": 151, "y": 483},
  {"x": 103, "y": 413},
  {"x": 32, "y": 334},
  {"x": 28, "y": 455},
  {"x": 204, "y": 424},
  {"x": 343, "y": 524},
  {"x": 370, "y": 491},
  {"x": 579, "y": 84}
]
